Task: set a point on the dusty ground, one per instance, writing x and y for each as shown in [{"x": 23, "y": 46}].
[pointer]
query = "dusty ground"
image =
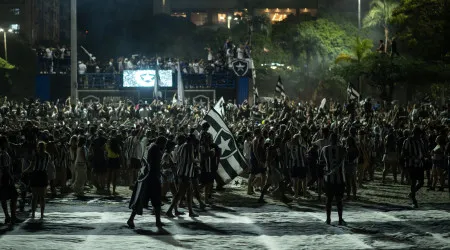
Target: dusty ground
[{"x": 381, "y": 219}]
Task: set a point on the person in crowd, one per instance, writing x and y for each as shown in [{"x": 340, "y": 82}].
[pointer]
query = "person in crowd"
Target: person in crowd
[
  {"x": 134, "y": 154},
  {"x": 334, "y": 157},
  {"x": 390, "y": 156},
  {"x": 299, "y": 166},
  {"x": 168, "y": 170},
  {"x": 113, "y": 152},
  {"x": 39, "y": 178},
  {"x": 321, "y": 143},
  {"x": 351, "y": 164},
  {"x": 439, "y": 163},
  {"x": 98, "y": 161},
  {"x": 186, "y": 172},
  {"x": 80, "y": 169},
  {"x": 73, "y": 144},
  {"x": 257, "y": 160},
  {"x": 8, "y": 191},
  {"x": 148, "y": 187},
  {"x": 415, "y": 153},
  {"x": 275, "y": 173}
]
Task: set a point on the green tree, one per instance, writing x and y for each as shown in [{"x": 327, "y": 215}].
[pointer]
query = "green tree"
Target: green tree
[
  {"x": 380, "y": 14},
  {"x": 360, "y": 49},
  {"x": 424, "y": 25}
]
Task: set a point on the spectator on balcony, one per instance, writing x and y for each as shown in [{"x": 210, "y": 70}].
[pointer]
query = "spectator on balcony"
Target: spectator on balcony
[
  {"x": 196, "y": 66},
  {"x": 248, "y": 50},
  {"x": 129, "y": 64},
  {"x": 81, "y": 68},
  {"x": 110, "y": 67},
  {"x": 240, "y": 52},
  {"x": 120, "y": 65},
  {"x": 210, "y": 55},
  {"x": 48, "y": 60}
]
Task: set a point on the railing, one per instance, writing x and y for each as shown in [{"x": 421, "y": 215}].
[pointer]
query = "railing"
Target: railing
[{"x": 111, "y": 81}]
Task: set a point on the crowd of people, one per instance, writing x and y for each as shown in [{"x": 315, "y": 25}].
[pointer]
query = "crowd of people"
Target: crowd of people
[
  {"x": 57, "y": 61},
  {"x": 291, "y": 149}
]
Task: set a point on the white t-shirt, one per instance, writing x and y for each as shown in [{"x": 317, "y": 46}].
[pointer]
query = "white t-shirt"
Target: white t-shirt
[
  {"x": 63, "y": 51},
  {"x": 196, "y": 68},
  {"x": 240, "y": 53},
  {"x": 49, "y": 53},
  {"x": 82, "y": 68}
]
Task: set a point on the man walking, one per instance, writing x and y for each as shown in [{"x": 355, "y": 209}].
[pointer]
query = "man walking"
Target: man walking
[
  {"x": 414, "y": 154},
  {"x": 148, "y": 186}
]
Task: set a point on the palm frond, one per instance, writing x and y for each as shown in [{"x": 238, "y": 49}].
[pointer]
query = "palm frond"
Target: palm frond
[
  {"x": 344, "y": 58},
  {"x": 5, "y": 65}
]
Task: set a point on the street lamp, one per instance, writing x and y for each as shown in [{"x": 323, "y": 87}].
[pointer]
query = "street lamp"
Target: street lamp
[
  {"x": 359, "y": 15},
  {"x": 4, "y": 41}
]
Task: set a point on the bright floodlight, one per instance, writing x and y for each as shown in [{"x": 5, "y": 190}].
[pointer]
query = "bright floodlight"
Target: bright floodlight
[
  {"x": 10, "y": 30},
  {"x": 229, "y": 17},
  {"x": 1, "y": 30}
]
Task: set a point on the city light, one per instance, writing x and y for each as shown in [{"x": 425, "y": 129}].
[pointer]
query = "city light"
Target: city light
[{"x": 3, "y": 30}]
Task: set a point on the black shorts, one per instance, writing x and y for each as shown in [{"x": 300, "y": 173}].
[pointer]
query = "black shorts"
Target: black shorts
[
  {"x": 99, "y": 166},
  {"x": 334, "y": 190},
  {"x": 155, "y": 194},
  {"x": 319, "y": 172},
  {"x": 298, "y": 172},
  {"x": 113, "y": 163},
  {"x": 8, "y": 192},
  {"x": 416, "y": 173},
  {"x": 207, "y": 178},
  {"x": 135, "y": 163},
  {"x": 39, "y": 179},
  {"x": 256, "y": 169}
]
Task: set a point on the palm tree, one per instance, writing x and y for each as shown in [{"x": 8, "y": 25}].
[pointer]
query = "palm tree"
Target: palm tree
[
  {"x": 380, "y": 14},
  {"x": 360, "y": 49}
]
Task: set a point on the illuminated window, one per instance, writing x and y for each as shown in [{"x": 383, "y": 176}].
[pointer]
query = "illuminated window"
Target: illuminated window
[
  {"x": 182, "y": 14},
  {"x": 277, "y": 15},
  {"x": 238, "y": 13},
  {"x": 199, "y": 19},
  {"x": 221, "y": 18},
  {"x": 15, "y": 11}
]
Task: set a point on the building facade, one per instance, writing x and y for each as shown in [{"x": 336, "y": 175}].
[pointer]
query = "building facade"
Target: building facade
[
  {"x": 36, "y": 20},
  {"x": 207, "y": 12}
]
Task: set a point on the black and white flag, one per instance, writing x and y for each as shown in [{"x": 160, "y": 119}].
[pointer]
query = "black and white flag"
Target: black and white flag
[
  {"x": 352, "y": 94},
  {"x": 280, "y": 88},
  {"x": 255, "y": 93},
  {"x": 232, "y": 162}
]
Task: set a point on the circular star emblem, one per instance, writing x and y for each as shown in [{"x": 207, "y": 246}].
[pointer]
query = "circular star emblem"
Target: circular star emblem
[{"x": 226, "y": 144}]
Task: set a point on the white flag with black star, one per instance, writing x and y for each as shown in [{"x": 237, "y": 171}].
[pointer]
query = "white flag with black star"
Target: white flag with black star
[{"x": 232, "y": 162}]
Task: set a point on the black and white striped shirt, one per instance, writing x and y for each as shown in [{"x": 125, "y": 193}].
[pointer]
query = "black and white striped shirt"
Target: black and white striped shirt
[
  {"x": 298, "y": 156},
  {"x": 334, "y": 158},
  {"x": 414, "y": 151},
  {"x": 185, "y": 161},
  {"x": 5, "y": 169},
  {"x": 41, "y": 162}
]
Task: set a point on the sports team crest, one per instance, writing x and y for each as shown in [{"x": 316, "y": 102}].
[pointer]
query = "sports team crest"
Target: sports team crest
[
  {"x": 240, "y": 67},
  {"x": 90, "y": 99},
  {"x": 201, "y": 100},
  {"x": 226, "y": 143}
]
